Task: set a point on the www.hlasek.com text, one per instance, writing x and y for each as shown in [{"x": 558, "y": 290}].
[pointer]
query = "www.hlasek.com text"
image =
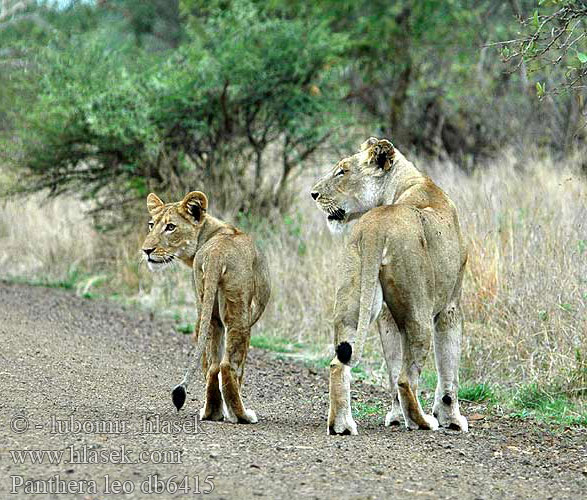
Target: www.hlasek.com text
[{"x": 91, "y": 455}]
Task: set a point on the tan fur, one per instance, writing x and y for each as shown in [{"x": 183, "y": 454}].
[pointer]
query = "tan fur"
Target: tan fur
[
  {"x": 405, "y": 254},
  {"x": 232, "y": 284}
]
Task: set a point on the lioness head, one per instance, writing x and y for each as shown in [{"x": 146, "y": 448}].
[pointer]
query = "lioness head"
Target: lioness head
[
  {"x": 355, "y": 183},
  {"x": 173, "y": 229}
]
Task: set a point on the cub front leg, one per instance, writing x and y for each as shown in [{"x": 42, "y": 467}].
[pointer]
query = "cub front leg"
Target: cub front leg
[{"x": 340, "y": 419}]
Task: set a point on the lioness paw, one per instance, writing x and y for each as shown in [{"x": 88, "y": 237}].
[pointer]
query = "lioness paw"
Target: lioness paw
[
  {"x": 454, "y": 422},
  {"x": 393, "y": 417},
  {"x": 342, "y": 427},
  {"x": 447, "y": 412},
  {"x": 429, "y": 424}
]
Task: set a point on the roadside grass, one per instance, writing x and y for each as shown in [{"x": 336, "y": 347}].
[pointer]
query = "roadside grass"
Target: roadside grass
[
  {"x": 533, "y": 402},
  {"x": 362, "y": 410},
  {"x": 275, "y": 344},
  {"x": 185, "y": 328},
  {"x": 82, "y": 283}
]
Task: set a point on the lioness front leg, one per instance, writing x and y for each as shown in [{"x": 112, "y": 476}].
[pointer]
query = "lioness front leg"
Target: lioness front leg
[
  {"x": 447, "y": 347},
  {"x": 415, "y": 344},
  {"x": 340, "y": 419}
]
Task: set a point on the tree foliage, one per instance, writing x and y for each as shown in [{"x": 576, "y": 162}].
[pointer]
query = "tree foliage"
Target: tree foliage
[
  {"x": 551, "y": 48},
  {"x": 110, "y": 99},
  {"x": 113, "y": 120}
]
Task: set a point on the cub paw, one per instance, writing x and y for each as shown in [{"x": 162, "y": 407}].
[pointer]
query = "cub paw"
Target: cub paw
[
  {"x": 211, "y": 416},
  {"x": 250, "y": 417}
]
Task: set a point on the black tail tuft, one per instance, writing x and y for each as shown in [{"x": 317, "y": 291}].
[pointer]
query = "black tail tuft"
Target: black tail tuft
[
  {"x": 178, "y": 396},
  {"x": 344, "y": 351}
]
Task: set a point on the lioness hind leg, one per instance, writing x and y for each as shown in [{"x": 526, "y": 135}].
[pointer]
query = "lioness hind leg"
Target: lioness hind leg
[
  {"x": 447, "y": 347},
  {"x": 232, "y": 371},
  {"x": 415, "y": 344},
  {"x": 211, "y": 365},
  {"x": 392, "y": 351}
]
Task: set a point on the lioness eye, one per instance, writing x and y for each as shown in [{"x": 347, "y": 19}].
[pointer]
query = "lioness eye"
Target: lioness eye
[
  {"x": 150, "y": 225},
  {"x": 169, "y": 227},
  {"x": 340, "y": 172}
]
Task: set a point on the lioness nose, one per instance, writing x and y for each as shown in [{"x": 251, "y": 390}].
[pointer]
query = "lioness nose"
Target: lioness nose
[
  {"x": 148, "y": 251},
  {"x": 315, "y": 194}
]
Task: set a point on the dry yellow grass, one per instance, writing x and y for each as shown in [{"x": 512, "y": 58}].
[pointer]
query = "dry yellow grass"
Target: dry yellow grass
[{"x": 524, "y": 297}]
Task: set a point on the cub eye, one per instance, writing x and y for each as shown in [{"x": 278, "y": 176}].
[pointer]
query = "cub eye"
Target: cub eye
[
  {"x": 169, "y": 227},
  {"x": 151, "y": 223}
]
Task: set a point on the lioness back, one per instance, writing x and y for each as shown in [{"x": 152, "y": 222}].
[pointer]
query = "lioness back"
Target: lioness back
[{"x": 415, "y": 238}]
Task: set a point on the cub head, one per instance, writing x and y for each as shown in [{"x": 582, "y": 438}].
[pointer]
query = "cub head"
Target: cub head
[
  {"x": 356, "y": 183},
  {"x": 173, "y": 229}
]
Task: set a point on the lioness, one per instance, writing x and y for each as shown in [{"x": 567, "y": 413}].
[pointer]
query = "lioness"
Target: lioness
[
  {"x": 406, "y": 251},
  {"x": 232, "y": 289}
]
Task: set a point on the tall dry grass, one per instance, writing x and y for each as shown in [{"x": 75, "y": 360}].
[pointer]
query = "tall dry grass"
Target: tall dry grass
[
  {"x": 524, "y": 296},
  {"x": 45, "y": 242}
]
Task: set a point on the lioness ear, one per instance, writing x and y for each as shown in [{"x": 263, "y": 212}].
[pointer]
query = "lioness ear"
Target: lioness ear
[
  {"x": 383, "y": 154},
  {"x": 154, "y": 203},
  {"x": 195, "y": 204},
  {"x": 369, "y": 143}
]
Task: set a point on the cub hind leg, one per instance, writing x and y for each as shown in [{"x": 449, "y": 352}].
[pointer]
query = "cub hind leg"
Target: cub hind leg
[
  {"x": 447, "y": 347},
  {"x": 212, "y": 409},
  {"x": 232, "y": 371}
]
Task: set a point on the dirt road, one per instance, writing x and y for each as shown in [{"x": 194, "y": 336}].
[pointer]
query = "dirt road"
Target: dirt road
[{"x": 90, "y": 382}]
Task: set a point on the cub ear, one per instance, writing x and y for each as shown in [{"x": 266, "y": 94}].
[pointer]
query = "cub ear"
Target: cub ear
[
  {"x": 381, "y": 151},
  {"x": 195, "y": 204},
  {"x": 154, "y": 203}
]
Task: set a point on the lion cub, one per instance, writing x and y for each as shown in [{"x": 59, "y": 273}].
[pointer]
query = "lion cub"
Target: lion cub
[{"x": 232, "y": 284}]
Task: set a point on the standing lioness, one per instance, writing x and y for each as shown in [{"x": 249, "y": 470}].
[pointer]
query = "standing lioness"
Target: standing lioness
[
  {"x": 406, "y": 251},
  {"x": 232, "y": 289}
]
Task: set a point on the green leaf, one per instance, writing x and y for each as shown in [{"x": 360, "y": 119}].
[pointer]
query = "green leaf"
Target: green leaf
[
  {"x": 582, "y": 57},
  {"x": 536, "y": 21},
  {"x": 540, "y": 89}
]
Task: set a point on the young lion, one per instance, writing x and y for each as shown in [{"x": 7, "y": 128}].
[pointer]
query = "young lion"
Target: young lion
[
  {"x": 232, "y": 284},
  {"x": 405, "y": 257}
]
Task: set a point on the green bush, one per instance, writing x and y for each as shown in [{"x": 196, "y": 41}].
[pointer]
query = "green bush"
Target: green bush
[{"x": 113, "y": 120}]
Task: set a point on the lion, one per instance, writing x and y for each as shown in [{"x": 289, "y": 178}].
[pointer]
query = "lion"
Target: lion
[
  {"x": 232, "y": 285},
  {"x": 403, "y": 264}
]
